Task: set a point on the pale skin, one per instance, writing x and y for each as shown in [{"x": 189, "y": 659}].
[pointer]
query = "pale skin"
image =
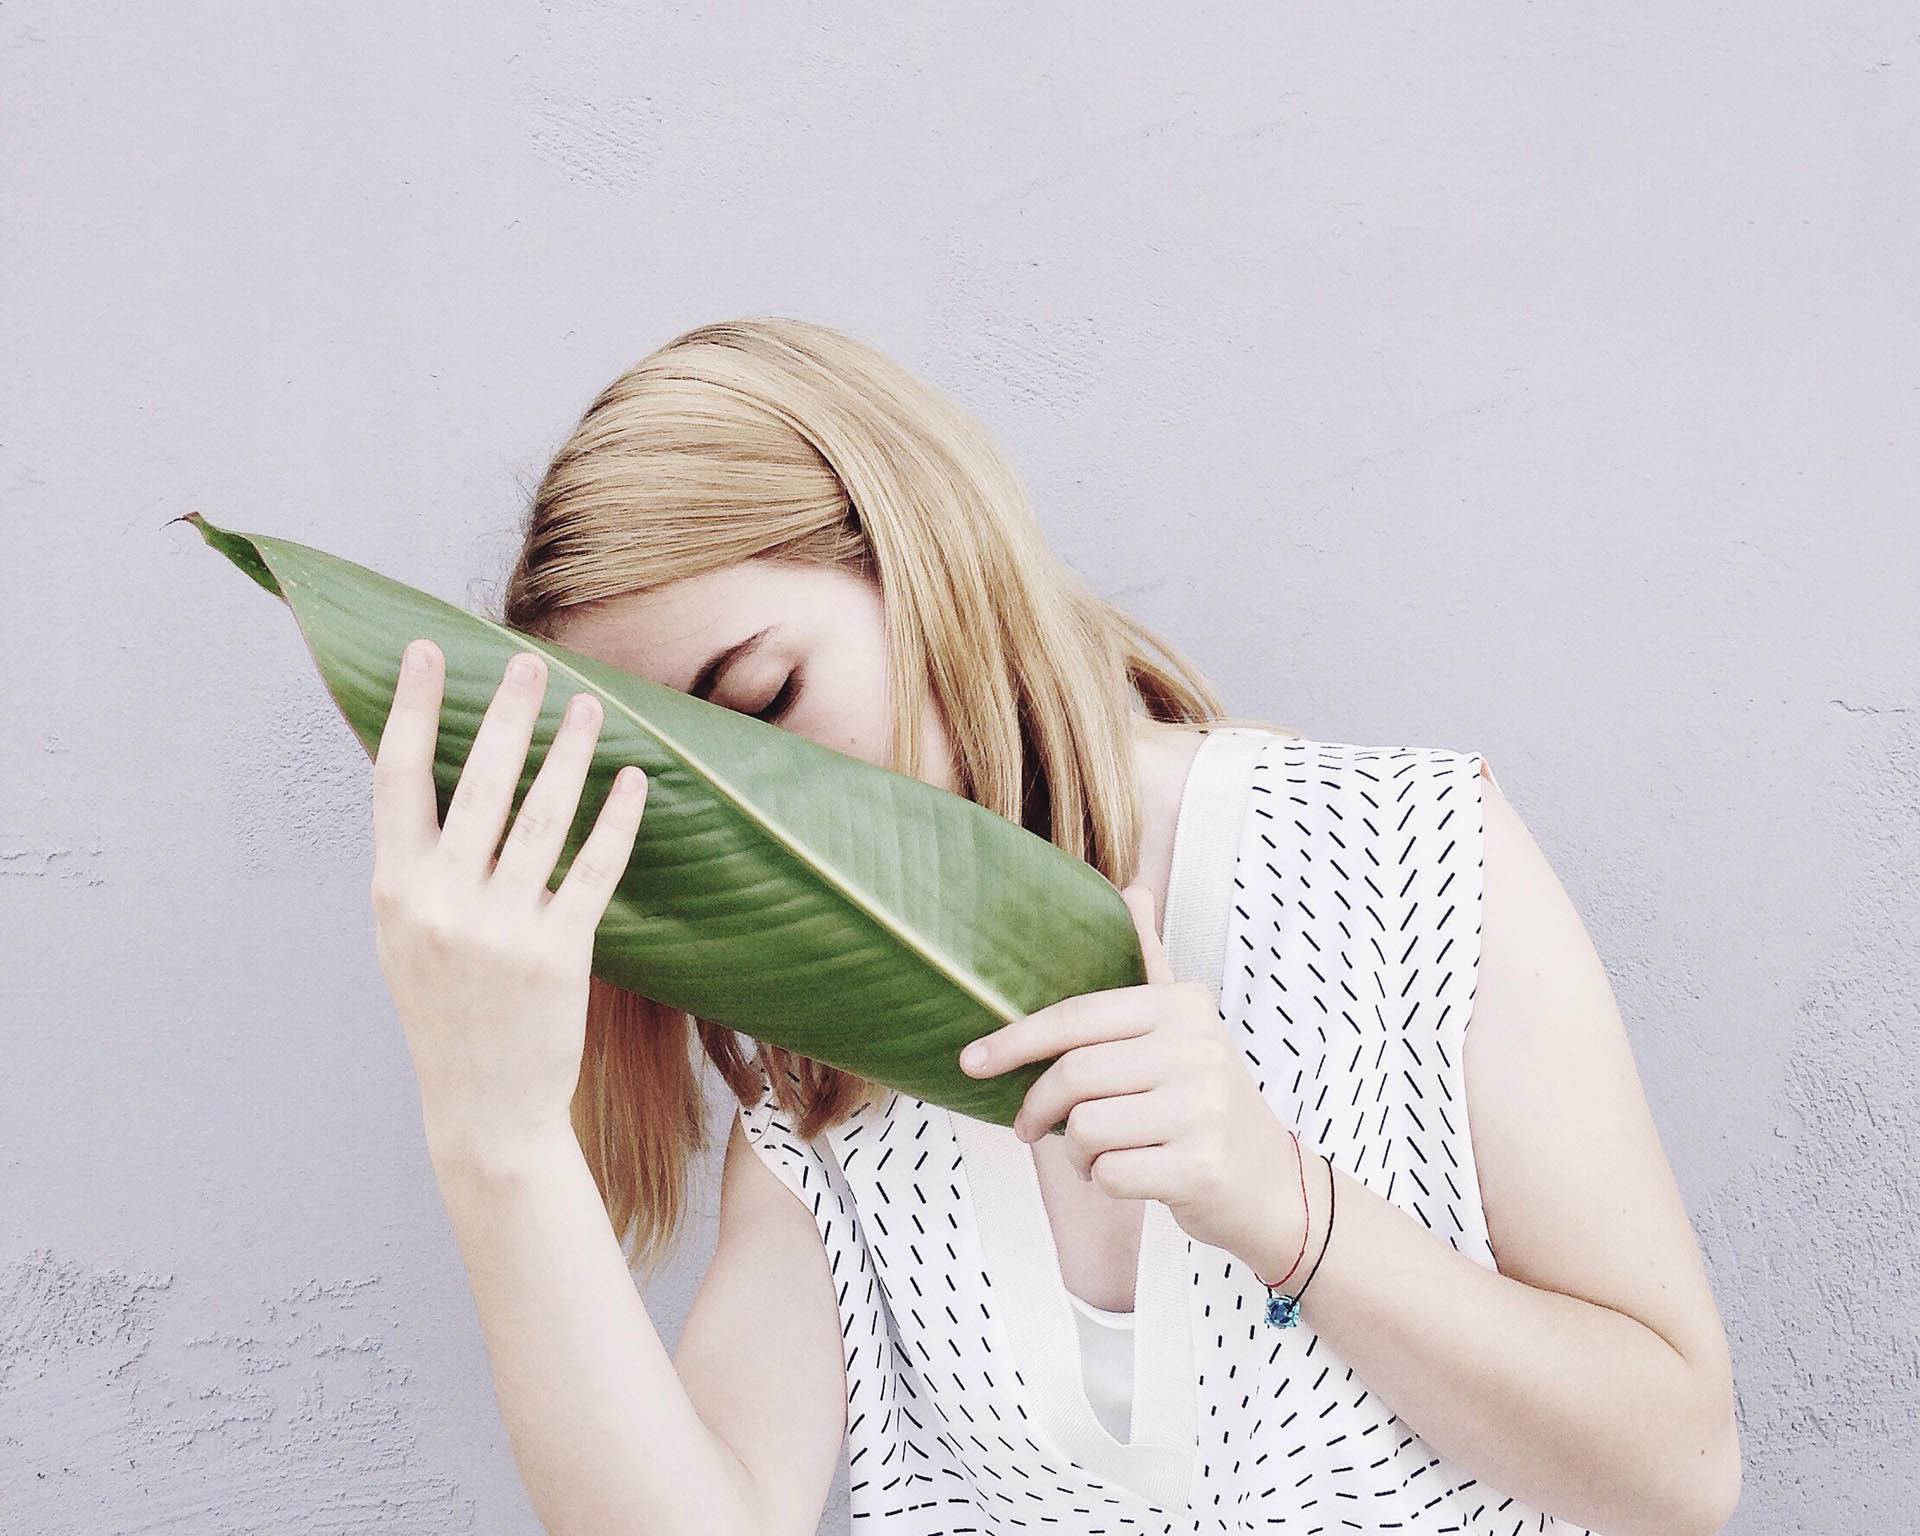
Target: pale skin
[{"x": 1589, "y": 1376}]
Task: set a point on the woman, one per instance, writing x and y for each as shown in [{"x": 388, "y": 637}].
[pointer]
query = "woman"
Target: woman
[{"x": 770, "y": 515}]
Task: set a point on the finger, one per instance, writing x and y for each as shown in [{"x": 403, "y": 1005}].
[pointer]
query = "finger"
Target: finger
[
  {"x": 545, "y": 817},
  {"x": 406, "y": 817},
  {"x": 1110, "y": 1014},
  {"x": 596, "y": 869},
  {"x": 1089, "y": 1072},
  {"x": 1139, "y": 902},
  {"x": 1137, "y": 1173},
  {"x": 484, "y": 794},
  {"x": 1100, "y": 1126}
]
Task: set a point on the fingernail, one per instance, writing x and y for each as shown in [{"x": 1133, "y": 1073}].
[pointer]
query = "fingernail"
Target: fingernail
[
  {"x": 417, "y": 655},
  {"x": 974, "y": 1057},
  {"x": 523, "y": 668}
]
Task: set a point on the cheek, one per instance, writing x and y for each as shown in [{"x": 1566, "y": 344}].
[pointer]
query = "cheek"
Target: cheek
[
  {"x": 851, "y": 716},
  {"x": 845, "y": 706},
  {"x": 936, "y": 748}
]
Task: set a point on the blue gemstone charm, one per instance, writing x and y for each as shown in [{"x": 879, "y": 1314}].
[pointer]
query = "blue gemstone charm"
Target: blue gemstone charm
[{"x": 1282, "y": 1311}]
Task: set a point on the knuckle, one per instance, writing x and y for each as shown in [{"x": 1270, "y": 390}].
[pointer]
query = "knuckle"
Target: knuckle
[
  {"x": 1207, "y": 1166},
  {"x": 519, "y": 946},
  {"x": 387, "y": 772},
  {"x": 594, "y": 868},
  {"x": 386, "y": 893},
  {"x": 436, "y": 925},
  {"x": 1210, "y": 1052},
  {"x": 546, "y": 962},
  {"x": 1180, "y": 1185},
  {"x": 534, "y": 824},
  {"x": 538, "y": 959}
]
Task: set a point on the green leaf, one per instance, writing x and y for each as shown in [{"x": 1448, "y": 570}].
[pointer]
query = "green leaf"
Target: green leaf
[{"x": 856, "y": 915}]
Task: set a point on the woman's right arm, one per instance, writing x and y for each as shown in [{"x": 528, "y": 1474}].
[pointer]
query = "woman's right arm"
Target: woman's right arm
[
  {"x": 489, "y": 971},
  {"x": 604, "y": 1434},
  {"x": 739, "y": 1432}
]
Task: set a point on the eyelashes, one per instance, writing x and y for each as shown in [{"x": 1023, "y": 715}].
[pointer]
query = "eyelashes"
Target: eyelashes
[{"x": 782, "y": 701}]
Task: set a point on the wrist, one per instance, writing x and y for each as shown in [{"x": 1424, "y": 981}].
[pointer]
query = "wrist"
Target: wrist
[
  {"x": 1323, "y": 1176},
  {"x": 480, "y": 1155},
  {"x": 1295, "y": 1236}
]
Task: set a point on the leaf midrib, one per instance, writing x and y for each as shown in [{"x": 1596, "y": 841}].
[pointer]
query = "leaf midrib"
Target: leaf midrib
[{"x": 997, "y": 1005}]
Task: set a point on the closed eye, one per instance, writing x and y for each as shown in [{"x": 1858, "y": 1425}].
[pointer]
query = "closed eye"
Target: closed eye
[{"x": 781, "y": 701}]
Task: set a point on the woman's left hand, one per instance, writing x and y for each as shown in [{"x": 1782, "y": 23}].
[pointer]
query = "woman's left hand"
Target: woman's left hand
[{"x": 1158, "y": 1102}]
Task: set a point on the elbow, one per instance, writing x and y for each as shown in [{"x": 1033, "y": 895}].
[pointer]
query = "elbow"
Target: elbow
[
  {"x": 1690, "y": 1485},
  {"x": 1710, "y": 1480},
  {"x": 1720, "y": 1487}
]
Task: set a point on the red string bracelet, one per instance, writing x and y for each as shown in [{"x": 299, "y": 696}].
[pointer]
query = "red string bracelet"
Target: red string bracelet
[{"x": 1305, "y": 1231}]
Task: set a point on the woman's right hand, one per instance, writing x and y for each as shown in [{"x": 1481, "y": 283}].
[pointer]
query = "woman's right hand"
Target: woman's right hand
[{"x": 488, "y": 967}]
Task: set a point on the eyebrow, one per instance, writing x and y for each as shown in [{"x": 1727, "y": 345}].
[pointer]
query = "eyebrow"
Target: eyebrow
[{"x": 710, "y": 673}]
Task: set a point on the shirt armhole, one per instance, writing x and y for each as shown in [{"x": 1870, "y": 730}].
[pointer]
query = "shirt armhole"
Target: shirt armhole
[{"x": 772, "y": 1139}]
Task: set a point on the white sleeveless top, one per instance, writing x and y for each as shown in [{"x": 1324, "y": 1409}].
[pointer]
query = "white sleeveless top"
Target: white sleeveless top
[
  {"x": 1345, "y": 969},
  {"x": 1106, "y": 1363}
]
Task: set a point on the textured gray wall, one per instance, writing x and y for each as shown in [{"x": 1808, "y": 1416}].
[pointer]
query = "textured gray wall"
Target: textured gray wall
[{"x": 1478, "y": 377}]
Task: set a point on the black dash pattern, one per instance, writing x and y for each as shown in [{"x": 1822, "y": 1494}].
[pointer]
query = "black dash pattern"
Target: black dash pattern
[{"x": 1352, "y": 950}]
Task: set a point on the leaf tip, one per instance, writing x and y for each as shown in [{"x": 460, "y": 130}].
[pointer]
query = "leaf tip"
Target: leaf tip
[{"x": 237, "y": 547}]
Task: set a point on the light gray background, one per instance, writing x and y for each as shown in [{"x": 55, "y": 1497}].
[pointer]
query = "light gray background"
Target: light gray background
[{"x": 1479, "y": 377}]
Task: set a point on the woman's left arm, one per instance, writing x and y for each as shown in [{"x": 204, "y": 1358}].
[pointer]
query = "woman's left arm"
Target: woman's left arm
[{"x": 1591, "y": 1375}]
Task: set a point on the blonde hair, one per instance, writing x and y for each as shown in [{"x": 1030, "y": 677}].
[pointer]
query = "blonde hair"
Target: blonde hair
[{"x": 784, "y": 439}]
